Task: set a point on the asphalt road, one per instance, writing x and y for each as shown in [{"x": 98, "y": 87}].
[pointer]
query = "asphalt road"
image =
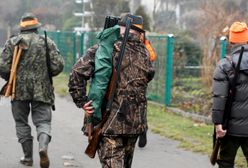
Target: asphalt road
[{"x": 68, "y": 144}]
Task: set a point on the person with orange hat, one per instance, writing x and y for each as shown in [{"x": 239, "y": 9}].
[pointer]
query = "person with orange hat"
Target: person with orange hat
[
  {"x": 232, "y": 128},
  {"x": 39, "y": 61}
]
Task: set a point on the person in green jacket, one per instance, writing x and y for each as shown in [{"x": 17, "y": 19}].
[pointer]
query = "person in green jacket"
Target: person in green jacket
[{"x": 127, "y": 118}]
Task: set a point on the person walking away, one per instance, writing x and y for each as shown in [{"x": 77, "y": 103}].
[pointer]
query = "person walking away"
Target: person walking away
[
  {"x": 127, "y": 118},
  {"x": 236, "y": 133},
  {"x": 33, "y": 89}
]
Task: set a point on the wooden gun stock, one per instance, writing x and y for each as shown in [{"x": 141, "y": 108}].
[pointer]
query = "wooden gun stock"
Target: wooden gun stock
[
  {"x": 111, "y": 85},
  {"x": 9, "y": 89},
  {"x": 215, "y": 152},
  {"x": 95, "y": 138}
]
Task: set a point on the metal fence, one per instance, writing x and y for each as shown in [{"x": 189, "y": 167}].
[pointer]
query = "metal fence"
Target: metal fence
[
  {"x": 72, "y": 45},
  {"x": 223, "y": 46},
  {"x": 188, "y": 92},
  {"x": 159, "y": 89}
]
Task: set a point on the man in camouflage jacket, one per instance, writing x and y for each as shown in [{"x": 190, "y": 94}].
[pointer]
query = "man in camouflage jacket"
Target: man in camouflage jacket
[
  {"x": 127, "y": 118},
  {"x": 34, "y": 90}
]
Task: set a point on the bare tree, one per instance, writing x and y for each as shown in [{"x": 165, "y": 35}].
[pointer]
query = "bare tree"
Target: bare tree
[
  {"x": 167, "y": 13},
  {"x": 216, "y": 15}
]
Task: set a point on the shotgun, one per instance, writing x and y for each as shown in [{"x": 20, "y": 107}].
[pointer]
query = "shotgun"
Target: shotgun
[
  {"x": 96, "y": 135},
  {"x": 48, "y": 62},
  {"x": 227, "y": 112},
  {"x": 9, "y": 88},
  {"x": 14, "y": 71},
  {"x": 111, "y": 21}
]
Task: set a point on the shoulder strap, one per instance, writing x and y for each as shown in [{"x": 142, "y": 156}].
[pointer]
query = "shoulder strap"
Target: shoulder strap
[{"x": 229, "y": 59}]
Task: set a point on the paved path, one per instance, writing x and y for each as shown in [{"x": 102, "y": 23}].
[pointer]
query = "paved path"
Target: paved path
[{"x": 68, "y": 144}]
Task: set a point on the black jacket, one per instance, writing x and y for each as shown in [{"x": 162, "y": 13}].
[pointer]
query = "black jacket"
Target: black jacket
[{"x": 223, "y": 75}]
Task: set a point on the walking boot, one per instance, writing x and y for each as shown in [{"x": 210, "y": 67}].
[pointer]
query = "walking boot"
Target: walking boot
[
  {"x": 27, "y": 148},
  {"x": 44, "y": 139},
  {"x": 142, "y": 140}
]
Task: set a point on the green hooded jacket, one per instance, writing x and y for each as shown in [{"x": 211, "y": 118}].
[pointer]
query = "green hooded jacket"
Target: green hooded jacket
[{"x": 103, "y": 68}]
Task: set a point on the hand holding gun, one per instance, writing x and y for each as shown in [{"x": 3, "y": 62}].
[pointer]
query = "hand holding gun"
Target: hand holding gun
[{"x": 89, "y": 110}]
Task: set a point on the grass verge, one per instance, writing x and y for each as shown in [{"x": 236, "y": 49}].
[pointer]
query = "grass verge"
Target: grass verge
[
  {"x": 60, "y": 84},
  {"x": 193, "y": 136}
]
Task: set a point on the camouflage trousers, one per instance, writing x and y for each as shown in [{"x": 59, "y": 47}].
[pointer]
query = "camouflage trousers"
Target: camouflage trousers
[
  {"x": 116, "y": 152},
  {"x": 228, "y": 150},
  {"x": 41, "y": 117}
]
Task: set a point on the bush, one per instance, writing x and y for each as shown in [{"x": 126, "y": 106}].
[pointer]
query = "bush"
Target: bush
[{"x": 187, "y": 49}]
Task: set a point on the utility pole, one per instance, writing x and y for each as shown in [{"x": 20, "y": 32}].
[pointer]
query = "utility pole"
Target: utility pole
[{"x": 83, "y": 14}]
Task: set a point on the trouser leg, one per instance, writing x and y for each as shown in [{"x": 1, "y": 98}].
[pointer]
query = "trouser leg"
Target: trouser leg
[
  {"x": 41, "y": 115},
  {"x": 129, "y": 144},
  {"x": 228, "y": 151},
  {"x": 116, "y": 151},
  {"x": 244, "y": 147},
  {"x": 20, "y": 111}
]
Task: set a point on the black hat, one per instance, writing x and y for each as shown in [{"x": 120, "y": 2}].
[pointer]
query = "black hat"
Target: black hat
[
  {"x": 137, "y": 21},
  {"x": 29, "y": 21}
]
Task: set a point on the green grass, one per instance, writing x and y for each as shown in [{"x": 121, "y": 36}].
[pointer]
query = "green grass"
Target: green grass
[
  {"x": 60, "y": 84},
  {"x": 193, "y": 136}
]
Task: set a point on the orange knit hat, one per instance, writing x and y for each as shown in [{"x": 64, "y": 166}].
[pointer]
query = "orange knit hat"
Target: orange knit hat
[{"x": 238, "y": 32}]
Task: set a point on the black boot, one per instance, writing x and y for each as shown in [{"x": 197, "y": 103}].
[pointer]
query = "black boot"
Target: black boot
[
  {"x": 27, "y": 148},
  {"x": 44, "y": 139},
  {"x": 142, "y": 140}
]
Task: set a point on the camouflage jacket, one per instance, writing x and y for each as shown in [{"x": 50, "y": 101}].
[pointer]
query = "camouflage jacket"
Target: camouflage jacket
[
  {"x": 128, "y": 113},
  {"x": 129, "y": 109},
  {"x": 32, "y": 73},
  {"x": 81, "y": 72}
]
